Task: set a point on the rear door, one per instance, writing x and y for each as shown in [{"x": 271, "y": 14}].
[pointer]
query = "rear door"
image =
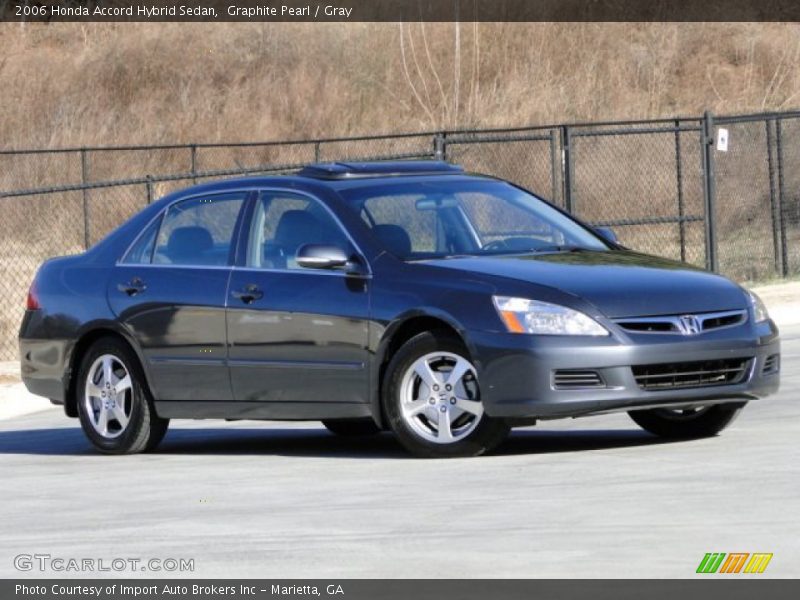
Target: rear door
[
  {"x": 296, "y": 334},
  {"x": 170, "y": 291}
]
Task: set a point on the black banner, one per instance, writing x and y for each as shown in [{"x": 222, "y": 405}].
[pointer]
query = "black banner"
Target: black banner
[
  {"x": 391, "y": 589},
  {"x": 400, "y": 10}
]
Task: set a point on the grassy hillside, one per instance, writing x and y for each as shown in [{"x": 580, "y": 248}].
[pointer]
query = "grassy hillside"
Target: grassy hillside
[
  {"x": 80, "y": 84},
  {"x": 76, "y": 84}
]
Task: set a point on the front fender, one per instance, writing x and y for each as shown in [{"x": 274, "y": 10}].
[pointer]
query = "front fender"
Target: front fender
[{"x": 382, "y": 342}]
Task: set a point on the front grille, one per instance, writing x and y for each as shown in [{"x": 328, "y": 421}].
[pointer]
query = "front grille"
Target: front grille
[
  {"x": 676, "y": 323},
  {"x": 573, "y": 379},
  {"x": 722, "y": 320},
  {"x": 772, "y": 364},
  {"x": 650, "y": 326},
  {"x": 670, "y": 376}
]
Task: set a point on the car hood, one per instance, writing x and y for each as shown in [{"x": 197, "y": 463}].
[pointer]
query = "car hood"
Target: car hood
[{"x": 620, "y": 283}]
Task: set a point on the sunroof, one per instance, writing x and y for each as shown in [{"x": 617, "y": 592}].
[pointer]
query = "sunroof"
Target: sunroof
[{"x": 353, "y": 170}]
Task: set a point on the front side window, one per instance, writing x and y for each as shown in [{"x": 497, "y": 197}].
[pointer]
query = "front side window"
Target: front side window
[
  {"x": 283, "y": 223},
  {"x": 199, "y": 231},
  {"x": 446, "y": 217}
]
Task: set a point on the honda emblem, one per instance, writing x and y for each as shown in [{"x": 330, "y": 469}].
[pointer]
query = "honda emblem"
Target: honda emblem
[{"x": 689, "y": 324}]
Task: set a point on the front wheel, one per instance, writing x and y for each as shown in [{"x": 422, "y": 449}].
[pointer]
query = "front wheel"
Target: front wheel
[
  {"x": 114, "y": 404},
  {"x": 432, "y": 400},
  {"x": 686, "y": 423}
]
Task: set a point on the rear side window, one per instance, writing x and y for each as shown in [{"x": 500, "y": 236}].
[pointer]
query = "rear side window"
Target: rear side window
[{"x": 199, "y": 231}]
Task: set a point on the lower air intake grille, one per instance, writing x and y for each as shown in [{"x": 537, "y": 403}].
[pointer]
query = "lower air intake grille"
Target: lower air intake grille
[
  {"x": 704, "y": 373},
  {"x": 573, "y": 379},
  {"x": 772, "y": 364}
]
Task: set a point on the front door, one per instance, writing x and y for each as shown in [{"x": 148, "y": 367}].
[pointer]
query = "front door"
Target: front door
[
  {"x": 296, "y": 334},
  {"x": 170, "y": 293}
]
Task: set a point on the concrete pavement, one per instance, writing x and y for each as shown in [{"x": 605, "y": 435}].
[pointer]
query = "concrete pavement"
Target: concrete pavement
[{"x": 592, "y": 497}]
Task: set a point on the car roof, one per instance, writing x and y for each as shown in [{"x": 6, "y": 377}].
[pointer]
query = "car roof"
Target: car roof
[
  {"x": 394, "y": 168},
  {"x": 337, "y": 176}
]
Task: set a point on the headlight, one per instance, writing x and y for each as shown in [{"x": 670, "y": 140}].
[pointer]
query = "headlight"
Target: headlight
[
  {"x": 521, "y": 315},
  {"x": 759, "y": 309}
]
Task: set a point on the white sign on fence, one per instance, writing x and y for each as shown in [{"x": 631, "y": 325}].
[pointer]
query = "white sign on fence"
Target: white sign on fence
[{"x": 722, "y": 139}]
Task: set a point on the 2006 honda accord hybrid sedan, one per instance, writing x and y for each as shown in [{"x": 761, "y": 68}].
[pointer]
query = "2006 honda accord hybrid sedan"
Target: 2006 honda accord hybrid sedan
[{"x": 402, "y": 296}]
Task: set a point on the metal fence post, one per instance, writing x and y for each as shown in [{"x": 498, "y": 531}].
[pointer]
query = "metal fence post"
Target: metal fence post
[
  {"x": 709, "y": 189},
  {"x": 440, "y": 146},
  {"x": 679, "y": 183},
  {"x": 773, "y": 200},
  {"x": 193, "y": 164},
  {"x": 781, "y": 199},
  {"x": 84, "y": 181},
  {"x": 567, "y": 168},
  {"x": 317, "y": 153},
  {"x": 553, "y": 166},
  {"x": 149, "y": 189}
]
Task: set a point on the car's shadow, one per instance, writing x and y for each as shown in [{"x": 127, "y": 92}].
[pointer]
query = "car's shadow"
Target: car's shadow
[{"x": 314, "y": 442}]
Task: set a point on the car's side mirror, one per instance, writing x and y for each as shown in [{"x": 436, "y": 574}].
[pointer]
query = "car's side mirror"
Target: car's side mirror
[
  {"x": 607, "y": 234},
  {"x": 322, "y": 256}
]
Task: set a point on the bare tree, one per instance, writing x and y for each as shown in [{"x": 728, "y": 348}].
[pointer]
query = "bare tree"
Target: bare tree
[{"x": 438, "y": 88}]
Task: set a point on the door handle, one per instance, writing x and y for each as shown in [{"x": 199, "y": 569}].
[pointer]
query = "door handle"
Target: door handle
[
  {"x": 133, "y": 287},
  {"x": 248, "y": 294}
]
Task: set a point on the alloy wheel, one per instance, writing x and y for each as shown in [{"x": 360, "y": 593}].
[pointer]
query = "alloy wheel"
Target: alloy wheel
[
  {"x": 108, "y": 396},
  {"x": 440, "y": 398}
]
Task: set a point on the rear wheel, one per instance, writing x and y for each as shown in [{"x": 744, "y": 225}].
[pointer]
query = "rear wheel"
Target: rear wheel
[
  {"x": 351, "y": 427},
  {"x": 432, "y": 400},
  {"x": 687, "y": 423},
  {"x": 114, "y": 405}
]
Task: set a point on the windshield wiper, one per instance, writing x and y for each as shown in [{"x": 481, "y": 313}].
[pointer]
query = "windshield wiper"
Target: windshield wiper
[{"x": 565, "y": 248}]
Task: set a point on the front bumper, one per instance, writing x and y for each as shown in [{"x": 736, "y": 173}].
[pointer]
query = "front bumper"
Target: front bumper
[{"x": 516, "y": 371}]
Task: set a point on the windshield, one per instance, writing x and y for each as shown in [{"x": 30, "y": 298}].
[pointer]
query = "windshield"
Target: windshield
[{"x": 448, "y": 217}]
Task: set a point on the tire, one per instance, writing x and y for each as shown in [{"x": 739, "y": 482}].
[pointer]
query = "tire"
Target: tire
[
  {"x": 351, "y": 427},
  {"x": 118, "y": 415},
  {"x": 416, "y": 412},
  {"x": 686, "y": 424}
]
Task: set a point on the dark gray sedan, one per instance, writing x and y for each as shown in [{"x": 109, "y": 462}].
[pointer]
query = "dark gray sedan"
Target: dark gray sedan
[{"x": 406, "y": 296}]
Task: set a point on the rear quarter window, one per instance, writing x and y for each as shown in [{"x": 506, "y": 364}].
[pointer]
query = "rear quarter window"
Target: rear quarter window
[{"x": 141, "y": 253}]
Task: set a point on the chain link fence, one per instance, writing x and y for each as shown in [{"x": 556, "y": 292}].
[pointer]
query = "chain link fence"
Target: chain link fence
[
  {"x": 667, "y": 187},
  {"x": 642, "y": 180}
]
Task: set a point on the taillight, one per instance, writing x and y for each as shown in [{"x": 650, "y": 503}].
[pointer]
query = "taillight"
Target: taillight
[{"x": 32, "y": 302}]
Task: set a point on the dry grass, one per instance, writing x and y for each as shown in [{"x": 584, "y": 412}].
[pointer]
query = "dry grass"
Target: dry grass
[
  {"x": 81, "y": 84},
  {"x": 117, "y": 84}
]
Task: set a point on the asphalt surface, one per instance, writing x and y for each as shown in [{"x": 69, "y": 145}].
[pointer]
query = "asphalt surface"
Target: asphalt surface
[{"x": 592, "y": 497}]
